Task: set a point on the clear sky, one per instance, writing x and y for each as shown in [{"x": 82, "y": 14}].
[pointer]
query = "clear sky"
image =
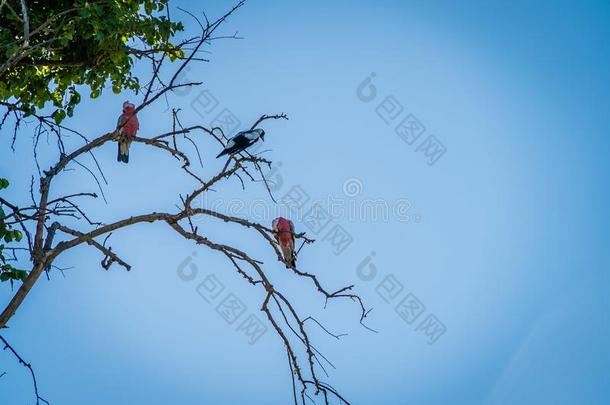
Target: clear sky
[{"x": 501, "y": 242}]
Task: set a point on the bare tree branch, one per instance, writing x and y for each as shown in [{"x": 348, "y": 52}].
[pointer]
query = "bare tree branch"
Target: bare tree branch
[
  {"x": 27, "y": 365},
  {"x": 73, "y": 226}
]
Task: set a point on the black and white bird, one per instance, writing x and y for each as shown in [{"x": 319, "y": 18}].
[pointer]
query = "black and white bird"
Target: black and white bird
[{"x": 241, "y": 141}]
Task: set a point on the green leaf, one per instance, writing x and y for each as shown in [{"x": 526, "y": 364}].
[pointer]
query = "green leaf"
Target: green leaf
[
  {"x": 20, "y": 274},
  {"x": 58, "y": 116}
]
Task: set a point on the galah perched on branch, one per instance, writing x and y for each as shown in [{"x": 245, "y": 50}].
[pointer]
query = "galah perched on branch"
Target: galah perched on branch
[
  {"x": 241, "y": 141},
  {"x": 127, "y": 125},
  {"x": 283, "y": 230}
]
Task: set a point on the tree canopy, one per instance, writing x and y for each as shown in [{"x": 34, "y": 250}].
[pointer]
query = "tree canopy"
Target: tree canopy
[{"x": 51, "y": 47}]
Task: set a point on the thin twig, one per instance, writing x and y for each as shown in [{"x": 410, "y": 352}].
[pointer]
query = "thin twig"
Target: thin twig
[{"x": 26, "y": 365}]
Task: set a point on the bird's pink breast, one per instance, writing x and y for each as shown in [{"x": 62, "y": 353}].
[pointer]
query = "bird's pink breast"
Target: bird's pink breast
[
  {"x": 131, "y": 126},
  {"x": 285, "y": 233}
]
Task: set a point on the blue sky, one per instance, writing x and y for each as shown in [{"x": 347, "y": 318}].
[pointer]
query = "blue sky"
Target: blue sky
[{"x": 503, "y": 239}]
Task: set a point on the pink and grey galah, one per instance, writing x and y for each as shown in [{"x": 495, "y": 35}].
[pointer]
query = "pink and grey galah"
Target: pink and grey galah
[
  {"x": 283, "y": 230},
  {"x": 127, "y": 125}
]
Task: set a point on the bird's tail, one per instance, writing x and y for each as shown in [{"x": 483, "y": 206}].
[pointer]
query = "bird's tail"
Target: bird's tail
[
  {"x": 289, "y": 255},
  {"x": 123, "y": 153},
  {"x": 224, "y": 152}
]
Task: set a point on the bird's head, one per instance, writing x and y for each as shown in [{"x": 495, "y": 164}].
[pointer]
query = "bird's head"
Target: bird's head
[
  {"x": 128, "y": 107},
  {"x": 261, "y": 134}
]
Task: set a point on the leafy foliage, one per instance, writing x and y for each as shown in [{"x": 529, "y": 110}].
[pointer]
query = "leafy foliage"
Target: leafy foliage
[
  {"x": 8, "y": 235},
  {"x": 78, "y": 42}
]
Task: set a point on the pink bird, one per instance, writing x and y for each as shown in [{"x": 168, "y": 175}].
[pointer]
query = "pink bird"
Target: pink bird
[
  {"x": 127, "y": 125},
  {"x": 283, "y": 230}
]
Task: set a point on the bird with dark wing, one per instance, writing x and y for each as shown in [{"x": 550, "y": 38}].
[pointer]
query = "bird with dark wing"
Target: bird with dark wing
[
  {"x": 283, "y": 230},
  {"x": 242, "y": 141}
]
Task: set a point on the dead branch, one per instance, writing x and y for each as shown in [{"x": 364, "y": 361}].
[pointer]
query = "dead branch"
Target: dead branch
[
  {"x": 27, "y": 365},
  {"x": 46, "y": 245}
]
